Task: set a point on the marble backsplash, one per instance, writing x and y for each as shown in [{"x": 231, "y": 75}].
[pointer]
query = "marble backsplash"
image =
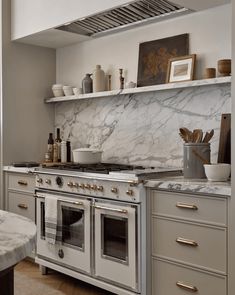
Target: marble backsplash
[{"x": 143, "y": 128}]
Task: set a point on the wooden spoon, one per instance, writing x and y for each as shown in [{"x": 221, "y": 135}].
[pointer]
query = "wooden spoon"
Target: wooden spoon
[
  {"x": 186, "y": 133},
  {"x": 197, "y": 135},
  {"x": 208, "y": 136}
]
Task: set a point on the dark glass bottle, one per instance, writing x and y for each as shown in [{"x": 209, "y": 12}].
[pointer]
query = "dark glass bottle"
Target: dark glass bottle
[
  {"x": 50, "y": 147},
  {"x": 68, "y": 145},
  {"x": 58, "y": 142}
]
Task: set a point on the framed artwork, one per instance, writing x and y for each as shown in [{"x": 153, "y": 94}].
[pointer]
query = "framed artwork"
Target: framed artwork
[
  {"x": 154, "y": 56},
  {"x": 181, "y": 68}
]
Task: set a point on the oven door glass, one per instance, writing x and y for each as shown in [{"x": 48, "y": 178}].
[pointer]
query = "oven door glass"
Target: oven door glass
[
  {"x": 72, "y": 226},
  {"x": 116, "y": 231},
  {"x": 114, "y": 238}
]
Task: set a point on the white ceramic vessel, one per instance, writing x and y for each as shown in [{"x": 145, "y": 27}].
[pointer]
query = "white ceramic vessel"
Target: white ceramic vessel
[
  {"x": 217, "y": 172},
  {"x": 98, "y": 79},
  {"x": 57, "y": 90},
  {"x": 68, "y": 90},
  {"x": 87, "y": 156}
]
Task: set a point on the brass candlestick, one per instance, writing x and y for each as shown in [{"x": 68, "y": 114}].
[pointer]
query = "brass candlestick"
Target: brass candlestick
[{"x": 121, "y": 79}]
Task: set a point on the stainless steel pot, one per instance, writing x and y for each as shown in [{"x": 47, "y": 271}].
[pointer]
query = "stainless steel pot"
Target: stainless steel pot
[{"x": 87, "y": 156}]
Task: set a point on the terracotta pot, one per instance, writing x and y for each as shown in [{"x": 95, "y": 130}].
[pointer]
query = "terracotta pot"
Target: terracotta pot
[{"x": 224, "y": 67}]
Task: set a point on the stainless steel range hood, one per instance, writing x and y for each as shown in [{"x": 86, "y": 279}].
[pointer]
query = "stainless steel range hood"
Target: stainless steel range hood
[{"x": 125, "y": 17}]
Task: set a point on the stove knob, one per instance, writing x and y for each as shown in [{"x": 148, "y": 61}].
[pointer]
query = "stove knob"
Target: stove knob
[
  {"x": 81, "y": 185},
  {"x": 61, "y": 253},
  {"x": 75, "y": 184},
  {"x": 87, "y": 186},
  {"x": 39, "y": 180},
  {"x": 70, "y": 184},
  {"x": 59, "y": 181},
  {"x": 48, "y": 181},
  {"x": 130, "y": 192},
  {"x": 100, "y": 188},
  {"x": 114, "y": 190},
  {"x": 94, "y": 187}
]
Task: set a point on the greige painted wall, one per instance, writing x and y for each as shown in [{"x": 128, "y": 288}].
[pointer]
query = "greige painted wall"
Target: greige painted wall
[{"x": 27, "y": 74}]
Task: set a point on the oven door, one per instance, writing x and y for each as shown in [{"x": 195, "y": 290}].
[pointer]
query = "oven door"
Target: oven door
[
  {"x": 74, "y": 218},
  {"x": 116, "y": 241}
]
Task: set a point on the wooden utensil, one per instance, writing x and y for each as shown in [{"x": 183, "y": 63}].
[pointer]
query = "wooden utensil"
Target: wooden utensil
[
  {"x": 186, "y": 133},
  {"x": 204, "y": 161},
  {"x": 197, "y": 135},
  {"x": 224, "y": 154},
  {"x": 208, "y": 136}
]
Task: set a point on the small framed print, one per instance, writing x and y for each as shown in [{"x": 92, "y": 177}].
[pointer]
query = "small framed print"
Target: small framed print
[{"x": 181, "y": 68}]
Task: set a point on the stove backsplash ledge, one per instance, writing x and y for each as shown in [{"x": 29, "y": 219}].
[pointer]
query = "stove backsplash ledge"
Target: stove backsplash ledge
[{"x": 142, "y": 129}]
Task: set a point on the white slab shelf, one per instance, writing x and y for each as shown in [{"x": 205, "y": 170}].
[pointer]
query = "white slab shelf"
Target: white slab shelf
[{"x": 161, "y": 87}]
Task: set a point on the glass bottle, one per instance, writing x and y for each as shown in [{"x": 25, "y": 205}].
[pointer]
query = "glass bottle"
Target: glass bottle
[
  {"x": 50, "y": 147},
  {"x": 58, "y": 142}
]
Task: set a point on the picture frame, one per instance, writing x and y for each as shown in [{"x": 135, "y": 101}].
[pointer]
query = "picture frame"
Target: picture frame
[
  {"x": 181, "y": 68},
  {"x": 154, "y": 56}
]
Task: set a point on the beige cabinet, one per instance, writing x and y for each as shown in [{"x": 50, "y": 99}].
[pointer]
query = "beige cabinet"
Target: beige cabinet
[
  {"x": 188, "y": 244},
  {"x": 19, "y": 194}
]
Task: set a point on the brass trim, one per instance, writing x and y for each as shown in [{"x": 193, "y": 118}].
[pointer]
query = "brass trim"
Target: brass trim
[
  {"x": 22, "y": 182},
  {"x": 187, "y": 287},
  {"x": 64, "y": 201},
  {"x": 124, "y": 211},
  {"x": 186, "y": 242},
  {"x": 23, "y": 206},
  {"x": 186, "y": 206}
]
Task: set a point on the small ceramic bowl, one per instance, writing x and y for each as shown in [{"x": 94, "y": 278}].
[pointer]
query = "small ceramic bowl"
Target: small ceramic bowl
[
  {"x": 57, "y": 90},
  {"x": 217, "y": 172},
  {"x": 68, "y": 90}
]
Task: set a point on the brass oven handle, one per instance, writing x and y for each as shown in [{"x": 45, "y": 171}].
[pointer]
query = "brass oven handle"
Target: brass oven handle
[
  {"x": 186, "y": 242},
  {"x": 65, "y": 201},
  {"x": 23, "y": 206},
  {"x": 22, "y": 182},
  {"x": 186, "y": 206},
  {"x": 187, "y": 287},
  {"x": 124, "y": 211}
]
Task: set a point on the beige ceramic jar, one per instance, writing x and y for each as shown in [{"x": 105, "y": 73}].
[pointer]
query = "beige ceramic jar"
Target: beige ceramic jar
[{"x": 98, "y": 79}]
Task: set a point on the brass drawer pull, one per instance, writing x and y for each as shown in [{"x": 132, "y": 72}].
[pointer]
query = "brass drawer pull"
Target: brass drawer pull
[
  {"x": 187, "y": 287},
  {"x": 187, "y": 242},
  {"x": 23, "y": 206},
  {"x": 22, "y": 182},
  {"x": 186, "y": 206}
]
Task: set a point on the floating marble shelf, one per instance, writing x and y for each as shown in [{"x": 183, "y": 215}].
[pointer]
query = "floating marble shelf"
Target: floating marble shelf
[{"x": 161, "y": 87}]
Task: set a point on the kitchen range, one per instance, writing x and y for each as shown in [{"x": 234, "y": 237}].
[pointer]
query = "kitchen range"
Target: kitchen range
[{"x": 102, "y": 214}]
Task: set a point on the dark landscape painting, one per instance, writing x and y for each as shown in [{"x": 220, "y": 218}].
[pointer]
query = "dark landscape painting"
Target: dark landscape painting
[{"x": 154, "y": 56}]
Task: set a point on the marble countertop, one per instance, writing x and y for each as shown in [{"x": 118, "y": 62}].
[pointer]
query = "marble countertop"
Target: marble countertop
[
  {"x": 19, "y": 169},
  {"x": 197, "y": 186},
  {"x": 17, "y": 238}
]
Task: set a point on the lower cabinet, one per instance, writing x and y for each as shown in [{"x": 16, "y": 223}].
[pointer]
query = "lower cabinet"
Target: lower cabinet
[
  {"x": 19, "y": 194},
  {"x": 175, "y": 279},
  {"x": 188, "y": 246}
]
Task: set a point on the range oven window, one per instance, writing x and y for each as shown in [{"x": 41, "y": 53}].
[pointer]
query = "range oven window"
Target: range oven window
[
  {"x": 73, "y": 227},
  {"x": 114, "y": 238},
  {"x": 42, "y": 209}
]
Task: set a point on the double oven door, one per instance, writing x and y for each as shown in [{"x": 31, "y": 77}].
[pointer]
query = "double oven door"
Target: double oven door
[
  {"x": 99, "y": 238},
  {"x": 73, "y": 249}
]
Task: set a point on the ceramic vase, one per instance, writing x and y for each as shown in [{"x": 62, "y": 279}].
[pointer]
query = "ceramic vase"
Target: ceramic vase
[
  {"x": 98, "y": 79},
  {"x": 87, "y": 84}
]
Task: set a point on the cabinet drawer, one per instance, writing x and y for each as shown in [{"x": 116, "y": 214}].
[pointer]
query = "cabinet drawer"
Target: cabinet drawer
[
  {"x": 165, "y": 277},
  {"x": 22, "y": 204},
  {"x": 21, "y": 182},
  {"x": 197, "y": 208},
  {"x": 201, "y": 246}
]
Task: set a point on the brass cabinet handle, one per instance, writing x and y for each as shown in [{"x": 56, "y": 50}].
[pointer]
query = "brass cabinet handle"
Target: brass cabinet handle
[
  {"x": 187, "y": 242},
  {"x": 22, "y": 182},
  {"x": 187, "y": 287},
  {"x": 186, "y": 206},
  {"x": 23, "y": 206}
]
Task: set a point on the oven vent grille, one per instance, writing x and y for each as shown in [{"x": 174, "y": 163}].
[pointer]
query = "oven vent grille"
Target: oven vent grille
[{"x": 130, "y": 15}]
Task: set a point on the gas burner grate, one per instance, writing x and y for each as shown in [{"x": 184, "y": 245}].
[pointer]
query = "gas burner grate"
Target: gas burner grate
[{"x": 102, "y": 168}]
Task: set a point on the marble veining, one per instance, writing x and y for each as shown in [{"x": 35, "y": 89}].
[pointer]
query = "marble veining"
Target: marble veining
[
  {"x": 143, "y": 128},
  {"x": 17, "y": 238},
  {"x": 179, "y": 184}
]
